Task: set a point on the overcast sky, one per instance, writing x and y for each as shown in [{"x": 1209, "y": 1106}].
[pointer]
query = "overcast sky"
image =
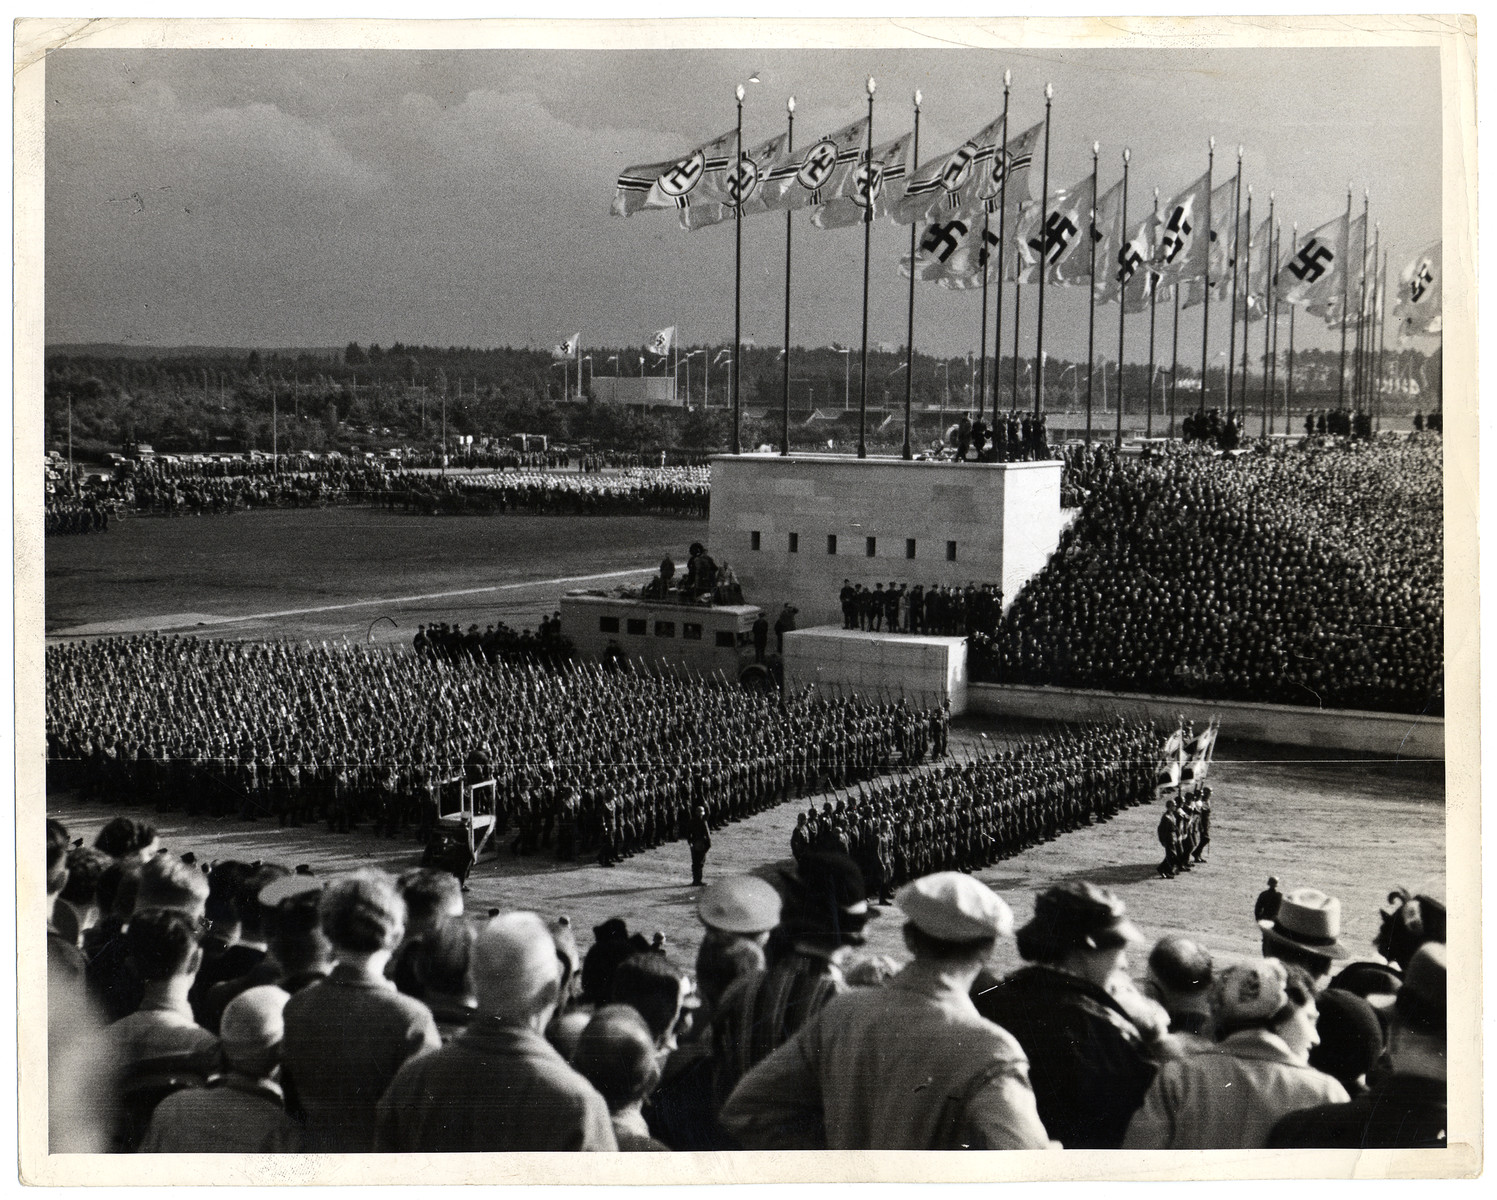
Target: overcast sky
[{"x": 286, "y": 198}]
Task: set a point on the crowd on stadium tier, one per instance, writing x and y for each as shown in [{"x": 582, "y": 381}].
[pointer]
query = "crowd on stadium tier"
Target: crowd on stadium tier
[
  {"x": 943, "y": 610},
  {"x": 1296, "y": 576},
  {"x": 212, "y": 1007},
  {"x": 965, "y": 816},
  {"x": 585, "y": 759},
  {"x": 671, "y": 491},
  {"x": 198, "y": 489}
]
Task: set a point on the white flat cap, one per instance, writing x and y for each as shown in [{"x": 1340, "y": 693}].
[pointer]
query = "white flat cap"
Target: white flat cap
[{"x": 955, "y": 907}]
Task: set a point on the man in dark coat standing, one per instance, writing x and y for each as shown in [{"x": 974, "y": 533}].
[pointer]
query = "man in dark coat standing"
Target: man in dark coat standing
[
  {"x": 761, "y": 636},
  {"x": 699, "y": 836},
  {"x": 1090, "y": 1061},
  {"x": 1169, "y": 832}
]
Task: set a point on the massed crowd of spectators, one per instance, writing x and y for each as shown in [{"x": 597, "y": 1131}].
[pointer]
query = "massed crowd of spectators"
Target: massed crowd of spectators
[
  {"x": 259, "y": 1008},
  {"x": 1299, "y": 576}
]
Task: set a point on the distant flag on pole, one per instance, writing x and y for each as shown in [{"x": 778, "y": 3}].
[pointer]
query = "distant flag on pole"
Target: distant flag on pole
[
  {"x": 970, "y": 177},
  {"x": 1311, "y": 272},
  {"x": 816, "y": 174},
  {"x": 663, "y": 340},
  {"x": 672, "y": 184},
  {"x": 567, "y": 348},
  {"x": 1420, "y": 294},
  {"x": 1259, "y": 273},
  {"x": 878, "y": 180},
  {"x": 1107, "y": 234},
  {"x": 1222, "y": 248},
  {"x": 728, "y": 187}
]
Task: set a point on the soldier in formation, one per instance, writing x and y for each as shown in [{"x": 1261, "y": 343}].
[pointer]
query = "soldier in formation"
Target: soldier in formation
[
  {"x": 965, "y": 816},
  {"x": 584, "y": 759}
]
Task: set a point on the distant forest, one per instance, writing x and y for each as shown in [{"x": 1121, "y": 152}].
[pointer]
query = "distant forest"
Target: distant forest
[{"x": 367, "y": 397}]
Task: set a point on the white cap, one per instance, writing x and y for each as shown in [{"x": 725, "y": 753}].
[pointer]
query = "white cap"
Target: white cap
[{"x": 955, "y": 908}]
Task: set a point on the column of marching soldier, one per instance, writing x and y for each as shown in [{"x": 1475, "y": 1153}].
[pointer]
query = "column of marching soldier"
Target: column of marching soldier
[
  {"x": 967, "y": 815},
  {"x": 584, "y": 758}
]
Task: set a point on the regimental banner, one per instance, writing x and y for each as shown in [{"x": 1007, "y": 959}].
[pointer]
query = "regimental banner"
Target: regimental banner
[
  {"x": 879, "y": 181},
  {"x": 971, "y": 178},
  {"x": 1421, "y": 294},
  {"x": 672, "y": 184},
  {"x": 814, "y": 175}
]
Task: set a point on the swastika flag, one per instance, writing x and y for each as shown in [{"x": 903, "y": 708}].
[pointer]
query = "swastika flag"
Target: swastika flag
[
  {"x": 671, "y": 184},
  {"x": 1064, "y": 238},
  {"x": 1420, "y": 294},
  {"x": 1310, "y": 273},
  {"x": 662, "y": 341},
  {"x": 1179, "y": 240},
  {"x": 1330, "y": 306},
  {"x": 728, "y": 187},
  {"x": 953, "y": 251},
  {"x": 815, "y": 174},
  {"x": 881, "y": 184},
  {"x": 971, "y": 177}
]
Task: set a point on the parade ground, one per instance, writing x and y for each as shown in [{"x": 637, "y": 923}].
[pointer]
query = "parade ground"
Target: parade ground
[{"x": 1353, "y": 827}]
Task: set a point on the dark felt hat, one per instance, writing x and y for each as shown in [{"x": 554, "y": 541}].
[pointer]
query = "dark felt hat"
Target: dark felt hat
[{"x": 1078, "y": 916}]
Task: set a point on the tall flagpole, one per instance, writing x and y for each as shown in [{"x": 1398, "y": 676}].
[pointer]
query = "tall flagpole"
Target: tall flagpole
[
  {"x": 1174, "y": 351},
  {"x": 1002, "y": 237},
  {"x": 1039, "y": 334},
  {"x": 785, "y": 424},
  {"x": 1380, "y": 299},
  {"x": 1268, "y": 278},
  {"x": 867, "y": 236},
  {"x": 1245, "y": 252},
  {"x": 1206, "y": 300},
  {"x": 1232, "y": 318},
  {"x": 1017, "y": 298},
  {"x": 1122, "y": 293},
  {"x": 738, "y": 284},
  {"x": 1091, "y": 295},
  {"x": 1359, "y": 372},
  {"x": 909, "y": 368},
  {"x": 1289, "y": 365},
  {"x": 982, "y": 338},
  {"x": 1340, "y": 379},
  {"x": 1273, "y": 362},
  {"x": 1153, "y": 294}
]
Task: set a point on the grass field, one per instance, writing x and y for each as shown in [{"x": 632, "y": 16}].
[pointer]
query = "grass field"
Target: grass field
[
  {"x": 1355, "y": 828},
  {"x": 333, "y": 573}
]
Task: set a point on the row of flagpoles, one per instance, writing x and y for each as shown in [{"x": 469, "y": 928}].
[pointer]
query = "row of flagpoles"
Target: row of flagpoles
[{"x": 954, "y": 204}]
